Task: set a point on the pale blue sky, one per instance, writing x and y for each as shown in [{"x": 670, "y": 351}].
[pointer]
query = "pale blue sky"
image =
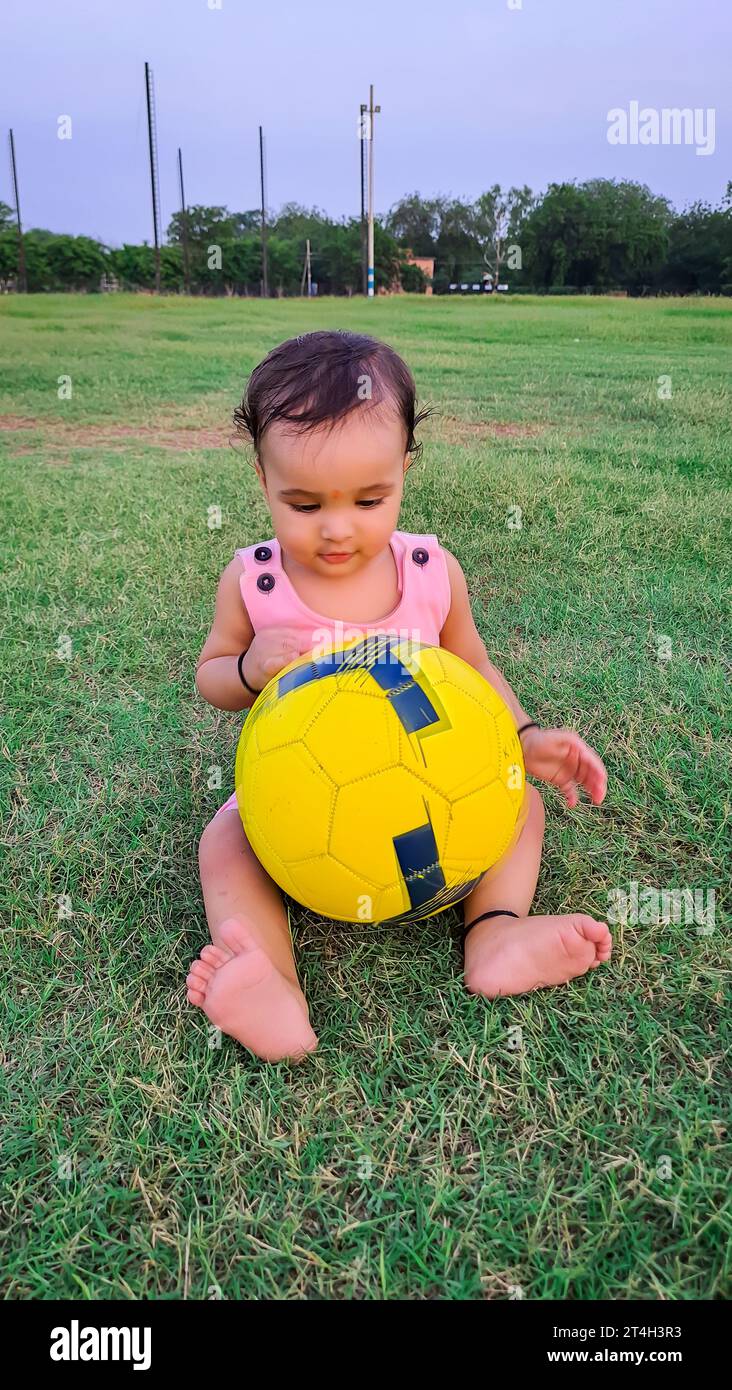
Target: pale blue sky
[{"x": 471, "y": 94}]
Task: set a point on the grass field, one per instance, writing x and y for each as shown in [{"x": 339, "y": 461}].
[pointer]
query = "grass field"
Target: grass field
[{"x": 419, "y": 1153}]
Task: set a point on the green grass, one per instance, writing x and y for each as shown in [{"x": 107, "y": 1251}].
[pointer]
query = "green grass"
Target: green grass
[{"x": 418, "y": 1154}]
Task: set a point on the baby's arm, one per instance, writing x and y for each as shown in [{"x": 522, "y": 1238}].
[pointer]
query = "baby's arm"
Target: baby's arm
[
  {"x": 267, "y": 652},
  {"x": 231, "y": 633},
  {"x": 461, "y": 636},
  {"x": 557, "y": 756}
]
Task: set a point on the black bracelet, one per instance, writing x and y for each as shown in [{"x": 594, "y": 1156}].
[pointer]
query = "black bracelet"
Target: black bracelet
[
  {"x": 530, "y": 725},
  {"x": 242, "y": 677}
]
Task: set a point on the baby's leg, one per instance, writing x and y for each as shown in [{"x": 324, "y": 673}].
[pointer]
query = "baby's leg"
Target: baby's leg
[
  {"x": 511, "y": 955},
  {"x": 247, "y": 982}
]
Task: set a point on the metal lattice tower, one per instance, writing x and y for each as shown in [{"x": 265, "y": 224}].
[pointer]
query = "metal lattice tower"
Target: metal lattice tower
[
  {"x": 22, "y": 283},
  {"x": 154, "y": 181}
]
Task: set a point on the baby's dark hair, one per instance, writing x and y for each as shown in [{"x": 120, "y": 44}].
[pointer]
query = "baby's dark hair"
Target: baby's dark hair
[{"x": 318, "y": 378}]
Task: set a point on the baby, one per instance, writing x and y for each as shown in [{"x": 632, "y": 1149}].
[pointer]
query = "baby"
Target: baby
[{"x": 331, "y": 416}]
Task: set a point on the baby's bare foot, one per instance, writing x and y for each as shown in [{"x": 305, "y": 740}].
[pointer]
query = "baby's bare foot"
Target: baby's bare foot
[
  {"x": 244, "y": 995},
  {"x": 508, "y": 955}
]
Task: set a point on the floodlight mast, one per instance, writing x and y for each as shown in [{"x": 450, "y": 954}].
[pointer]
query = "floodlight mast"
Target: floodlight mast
[
  {"x": 265, "y": 278},
  {"x": 364, "y": 268},
  {"x": 370, "y": 137},
  {"x": 21, "y": 279},
  {"x": 184, "y": 227},
  {"x": 154, "y": 182}
]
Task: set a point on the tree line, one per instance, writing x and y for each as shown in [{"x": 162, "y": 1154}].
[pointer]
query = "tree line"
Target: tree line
[{"x": 592, "y": 237}]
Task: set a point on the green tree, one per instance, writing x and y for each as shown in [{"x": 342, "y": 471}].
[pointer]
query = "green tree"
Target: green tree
[
  {"x": 337, "y": 258},
  {"x": 499, "y": 221},
  {"x": 284, "y": 265},
  {"x": 388, "y": 258},
  {"x": 8, "y": 257},
  {"x": 38, "y": 271},
  {"x": 171, "y": 269},
  {"x": 242, "y": 265},
  {"x": 601, "y": 234},
  {"x": 134, "y": 266},
  {"x": 458, "y": 251},
  {"x": 413, "y": 278},
  {"x": 700, "y": 251},
  {"x": 76, "y": 262},
  {"x": 296, "y": 222},
  {"x": 224, "y": 249},
  {"x": 415, "y": 223},
  {"x": 206, "y": 225}
]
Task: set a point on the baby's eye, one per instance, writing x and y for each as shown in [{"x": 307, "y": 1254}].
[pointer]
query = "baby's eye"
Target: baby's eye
[{"x": 313, "y": 506}]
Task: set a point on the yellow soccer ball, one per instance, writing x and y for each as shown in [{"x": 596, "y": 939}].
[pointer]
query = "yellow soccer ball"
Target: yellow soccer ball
[{"x": 380, "y": 782}]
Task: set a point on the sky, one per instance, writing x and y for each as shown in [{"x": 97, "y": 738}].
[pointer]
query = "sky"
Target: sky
[{"x": 471, "y": 94}]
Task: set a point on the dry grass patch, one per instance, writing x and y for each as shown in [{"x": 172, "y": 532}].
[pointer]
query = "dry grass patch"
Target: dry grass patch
[
  {"x": 165, "y": 435},
  {"x": 452, "y": 430}
]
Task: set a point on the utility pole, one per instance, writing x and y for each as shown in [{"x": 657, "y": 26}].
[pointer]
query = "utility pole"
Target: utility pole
[
  {"x": 184, "y": 227},
  {"x": 364, "y": 270},
  {"x": 22, "y": 281},
  {"x": 306, "y": 270},
  {"x": 372, "y": 111},
  {"x": 265, "y": 286},
  {"x": 153, "y": 144}
]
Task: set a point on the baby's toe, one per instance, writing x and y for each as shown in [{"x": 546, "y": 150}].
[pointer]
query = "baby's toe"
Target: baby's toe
[
  {"x": 215, "y": 956},
  {"x": 237, "y": 936},
  {"x": 201, "y": 972},
  {"x": 591, "y": 929}
]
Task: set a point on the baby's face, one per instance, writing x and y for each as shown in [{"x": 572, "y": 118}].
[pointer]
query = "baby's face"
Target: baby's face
[{"x": 337, "y": 491}]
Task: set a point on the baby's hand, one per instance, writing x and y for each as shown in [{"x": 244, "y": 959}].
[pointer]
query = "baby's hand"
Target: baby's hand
[
  {"x": 270, "y": 651},
  {"x": 561, "y": 757}
]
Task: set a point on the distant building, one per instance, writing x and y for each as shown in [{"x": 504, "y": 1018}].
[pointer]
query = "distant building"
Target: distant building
[{"x": 426, "y": 265}]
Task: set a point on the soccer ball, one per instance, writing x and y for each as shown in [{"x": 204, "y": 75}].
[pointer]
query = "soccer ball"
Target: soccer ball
[{"x": 379, "y": 782}]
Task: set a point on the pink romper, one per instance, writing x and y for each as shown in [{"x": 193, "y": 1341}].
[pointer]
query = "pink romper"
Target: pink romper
[{"x": 419, "y": 616}]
